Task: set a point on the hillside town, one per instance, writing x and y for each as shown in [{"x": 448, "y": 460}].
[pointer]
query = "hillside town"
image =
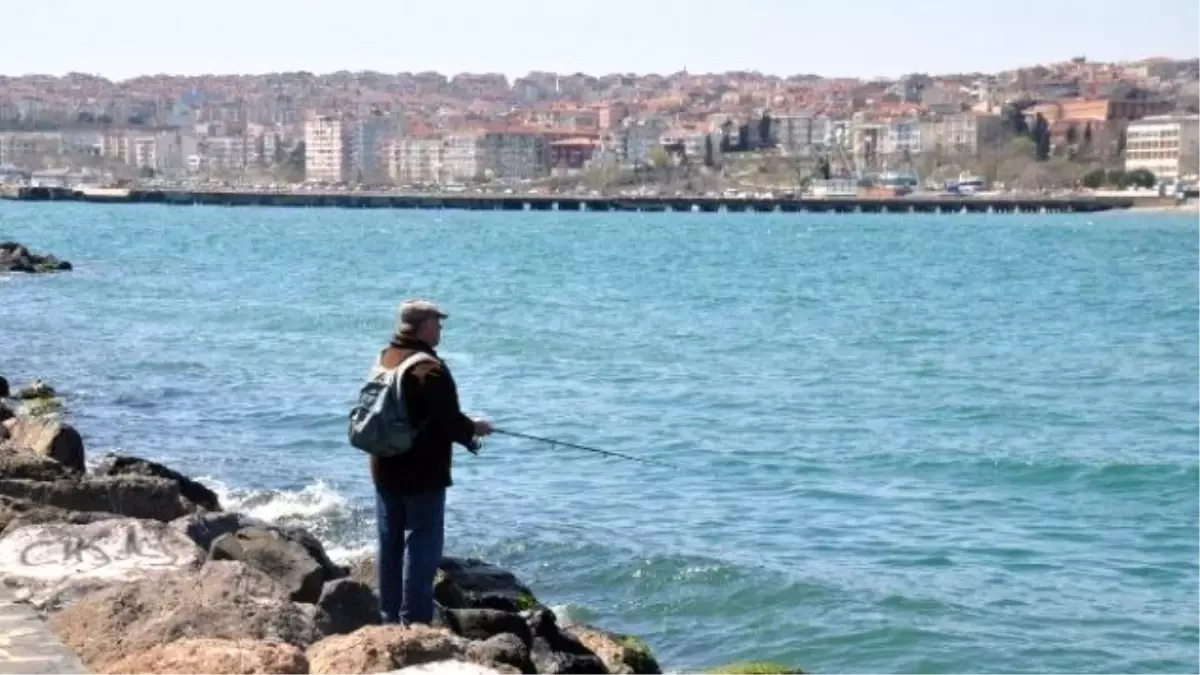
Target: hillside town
[{"x": 1072, "y": 125}]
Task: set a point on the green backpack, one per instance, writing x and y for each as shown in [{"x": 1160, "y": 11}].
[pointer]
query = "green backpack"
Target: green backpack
[{"x": 379, "y": 422}]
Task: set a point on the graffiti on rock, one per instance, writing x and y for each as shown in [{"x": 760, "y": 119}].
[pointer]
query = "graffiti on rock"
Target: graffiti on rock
[{"x": 130, "y": 544}]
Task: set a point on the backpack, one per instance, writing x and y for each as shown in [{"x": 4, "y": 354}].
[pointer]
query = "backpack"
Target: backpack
[{"x": 379, "y": 422}]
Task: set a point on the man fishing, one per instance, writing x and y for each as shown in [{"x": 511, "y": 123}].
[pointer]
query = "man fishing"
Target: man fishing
[{"x": 410, "y": 489}]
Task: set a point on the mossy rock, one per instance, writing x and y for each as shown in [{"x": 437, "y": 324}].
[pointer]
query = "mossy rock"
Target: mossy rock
[
  {"x": 35, "y": 389},
  {"x": 43, "y": 405},
  {"x": 755, "y": 668},
  {"x": 638, "y": 655}
]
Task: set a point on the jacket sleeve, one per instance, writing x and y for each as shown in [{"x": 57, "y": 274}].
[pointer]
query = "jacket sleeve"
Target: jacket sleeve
[{"x": 444, "y": 411}]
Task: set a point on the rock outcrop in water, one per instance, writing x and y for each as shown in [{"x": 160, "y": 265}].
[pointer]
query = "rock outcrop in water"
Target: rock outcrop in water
[
  {"x": 139, "y": 569},
  {"x": 16, "y": 258}
]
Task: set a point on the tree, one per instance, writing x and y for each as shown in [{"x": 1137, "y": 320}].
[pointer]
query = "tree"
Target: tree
[
  {"x": 726, "y": 134},
  {"x": 764, "y": 130},
  {"x": 1087, "y": 134},
  {"x": 146, "y": 172},
  {"x": 658, "y": 157},
  {"x": 1096, "y": 178},
  {"x": 1041, "y": 138},
  {"x": 1139, "y": 178},
  {"x": 1072, "y": 135},
  {"x": 709, "y": 161}
]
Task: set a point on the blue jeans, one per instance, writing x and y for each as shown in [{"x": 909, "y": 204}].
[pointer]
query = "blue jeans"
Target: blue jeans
[{"x": 411, "y": 536}]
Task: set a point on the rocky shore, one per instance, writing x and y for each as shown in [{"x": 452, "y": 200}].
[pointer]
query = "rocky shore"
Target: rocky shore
[
  {"x": 137, "y": 568},
  {"x": 16, "y": 258}
]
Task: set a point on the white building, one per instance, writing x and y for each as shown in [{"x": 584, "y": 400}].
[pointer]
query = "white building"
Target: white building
[
  {"x": 1165, "y": 145},
  {"x": 326, "y": 150}
]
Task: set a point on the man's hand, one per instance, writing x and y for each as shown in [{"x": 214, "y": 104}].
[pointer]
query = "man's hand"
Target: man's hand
[{"x": 482, "y": 427}]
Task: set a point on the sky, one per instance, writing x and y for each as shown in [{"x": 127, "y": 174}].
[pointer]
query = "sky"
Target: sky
[{"x": 119, "y": 39}]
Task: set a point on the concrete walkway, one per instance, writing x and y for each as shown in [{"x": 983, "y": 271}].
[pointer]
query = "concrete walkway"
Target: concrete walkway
[{"x": 27, "y": 645}]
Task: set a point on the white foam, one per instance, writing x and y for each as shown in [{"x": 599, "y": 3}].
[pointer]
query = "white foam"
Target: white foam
[
  {"x": 311, "y": 502},
  {"x": 313, "y": 507}
]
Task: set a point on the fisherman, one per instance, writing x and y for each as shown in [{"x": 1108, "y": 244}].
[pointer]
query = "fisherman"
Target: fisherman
[{"x": 410, "y": 489}]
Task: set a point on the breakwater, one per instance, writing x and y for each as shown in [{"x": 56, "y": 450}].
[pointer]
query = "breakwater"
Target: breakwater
[{"x": 482, "y": 202}]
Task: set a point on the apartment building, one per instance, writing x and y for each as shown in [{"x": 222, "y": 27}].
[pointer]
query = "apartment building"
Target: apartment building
[
  {"x": 326, "y": 150},
  {"x": 1164, "y": 145},
  {"x": 29, "y": 149},
  {"x": 225, "y": 153},
  {"x": 462, "y": 157},
  {"x": 518, "y": 154},
  {"x": 900, "y": 138},
  {"x": 961, "y": 134},
  {"x": 639, "y": 138},
  {"x": 371, "y": 135},
  {"x": 415, "y": 160}
]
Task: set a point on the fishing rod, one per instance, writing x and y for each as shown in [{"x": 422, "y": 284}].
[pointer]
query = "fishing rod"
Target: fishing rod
[{"x": 609, "y": 453}]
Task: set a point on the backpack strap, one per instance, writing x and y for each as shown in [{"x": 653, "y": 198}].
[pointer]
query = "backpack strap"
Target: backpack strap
[{"x": 411, "y": 361}]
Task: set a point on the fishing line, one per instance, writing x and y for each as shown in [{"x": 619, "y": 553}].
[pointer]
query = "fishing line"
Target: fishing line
[{"x": 576, "y": 446}]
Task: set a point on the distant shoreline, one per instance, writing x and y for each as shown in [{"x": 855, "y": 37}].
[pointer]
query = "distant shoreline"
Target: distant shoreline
[
  {"x": 1188, "y": 207},
  {"x": 580, "y": 203}
]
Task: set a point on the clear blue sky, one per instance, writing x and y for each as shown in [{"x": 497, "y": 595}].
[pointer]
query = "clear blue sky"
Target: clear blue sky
[{"x": 122, "y": 38}]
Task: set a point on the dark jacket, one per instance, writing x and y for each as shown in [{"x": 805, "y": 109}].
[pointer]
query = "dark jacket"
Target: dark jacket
[{"x": 432, "y": 400}]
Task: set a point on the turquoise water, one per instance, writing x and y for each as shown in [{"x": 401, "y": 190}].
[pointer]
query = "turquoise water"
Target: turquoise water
[{"x": 909, "y": 443}]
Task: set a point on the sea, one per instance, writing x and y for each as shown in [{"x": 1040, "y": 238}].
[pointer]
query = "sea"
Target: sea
[{"x": 900, "y": 443}]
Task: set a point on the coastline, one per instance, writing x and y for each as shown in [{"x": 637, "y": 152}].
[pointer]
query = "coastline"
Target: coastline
[
  {"x": 135, "y": 567},
  {"x": 1191, "y": 206},
  {"x": 916, "y": 203}
]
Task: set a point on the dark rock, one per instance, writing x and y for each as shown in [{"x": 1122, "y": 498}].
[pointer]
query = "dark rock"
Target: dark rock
[
  {"x": 4, "y": 390},
  {"x": 314, "y": 548},
  {"x": 18, "y": 512},
  {"x": 120, "y": 465},
  {"x": 47, "y": 437},
  {"x": 622, "y": 654},
  {"x": 345, "y": 606},
  {"x": 16, "y": 258},
  {"x": 555, "y": 652},
  {"x": 567, "y": 656},
  {"x": 481, "y": 585},
  {"x": 505, "y": 648},
  {"x": 282, "y": 559},
  {"x": 204, "y": 527},
  {"x": 481, "y": 624},
  {"x": 19, "y": 463},
  {"x": 133, "y": 496}
]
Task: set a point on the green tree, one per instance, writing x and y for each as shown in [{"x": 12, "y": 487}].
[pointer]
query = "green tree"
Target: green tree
[
  {"x": 659, "y": 157},
  {"x": 1096, "y": 178},
  {"x": 764, "y": 130},
  {"x": 1139, "y": 178},
  {"x": 709, "y": 159},
  {"x": 1041, "y": 138}
]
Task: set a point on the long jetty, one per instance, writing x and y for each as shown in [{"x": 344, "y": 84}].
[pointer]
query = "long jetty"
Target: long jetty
[{"x": 517, "y": 202}]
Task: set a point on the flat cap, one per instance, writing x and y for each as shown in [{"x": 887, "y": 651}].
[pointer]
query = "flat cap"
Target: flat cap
[{"x": 413, "y": 312}]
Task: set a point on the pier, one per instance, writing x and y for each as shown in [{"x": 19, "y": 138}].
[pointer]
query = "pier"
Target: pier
[{"x": 492, "y": 202}]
